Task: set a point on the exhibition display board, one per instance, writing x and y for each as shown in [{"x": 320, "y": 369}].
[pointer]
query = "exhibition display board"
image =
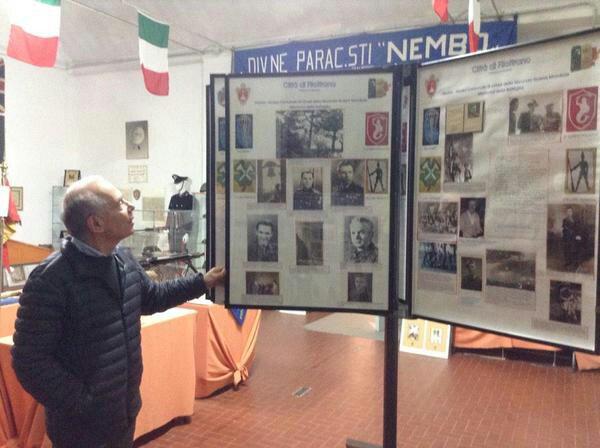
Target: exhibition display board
[
  {"x": 309, "y": 191},
  {"x": 505, "y": 216},
  {"x": 218, "y": 149}
]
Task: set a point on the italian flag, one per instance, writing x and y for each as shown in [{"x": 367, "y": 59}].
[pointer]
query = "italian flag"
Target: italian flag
[
  {"x": 474, "y": 25},
  {"x": 34, "y": 30},
  {"x": 440, "y": 7},
  {"x": 154, "y": 57}
]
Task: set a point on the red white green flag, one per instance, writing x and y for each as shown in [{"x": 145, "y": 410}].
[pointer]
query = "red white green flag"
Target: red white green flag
[
  {"x": 474, "y": 25},
  {"x": 34, "y": 30},
  {"x": 154, "y": 57},
  {"x": 440, "y": 7}
]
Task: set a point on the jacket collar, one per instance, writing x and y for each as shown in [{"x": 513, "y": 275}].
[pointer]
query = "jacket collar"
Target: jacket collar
[{"x": 87, "y": 266}]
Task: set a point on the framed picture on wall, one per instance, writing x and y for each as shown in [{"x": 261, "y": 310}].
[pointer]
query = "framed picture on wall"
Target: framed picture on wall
[
  {"x": 17, "y": 194},
  {"x": 71, "y": 176},
  {"x": 136, "y": 138}
]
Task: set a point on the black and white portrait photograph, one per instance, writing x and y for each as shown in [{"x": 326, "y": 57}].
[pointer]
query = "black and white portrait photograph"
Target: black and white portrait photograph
[
  {"x": 437, "y": 217},
  {"x": 360, "y": 287},
  {"x": 136, "y": 136},
  {"x": 309, "y": 133},
  {"x": 309, "y": 243},
  {"x": 580, "y": 172},
  {"x": 535, "y": 114},
  {"x": 360, "y": 239},
  {"x": 243, "y": 131},
  {"x": 377, "y": 176},
  {"x": 472, "y": 218},
  {"x": 347, "y": 182},
  {"x": 458, "y": 158},
  {"x": 431, "y": 126},
  {"x": 244, "y": 176},
  {"x": 565, "y": 302},
  {"x": 308, "y": 188},
  {"x": 262, "y": 283},
  {"x": 471, "y": 273},
  {"x": 571, "y": 237},
  {"x": 271, "y": 181},
  {"x": 437, "y": 257},
  {"x": 510, "y": 269},
  {"x": 262, "y": 238}
]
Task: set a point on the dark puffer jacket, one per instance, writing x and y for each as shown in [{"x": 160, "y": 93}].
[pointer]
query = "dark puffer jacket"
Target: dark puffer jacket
[{"x": 77, "y": 340}]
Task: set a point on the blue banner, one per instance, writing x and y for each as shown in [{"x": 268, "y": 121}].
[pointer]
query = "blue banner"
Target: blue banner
[
  {"x": 371, "y": 50},
  {"x": 239, "y": 315}
]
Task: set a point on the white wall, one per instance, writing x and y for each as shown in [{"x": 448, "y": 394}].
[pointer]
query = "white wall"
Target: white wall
[
  {"x": 57, "y": 121},
  {"x": 40, "y": 143}
]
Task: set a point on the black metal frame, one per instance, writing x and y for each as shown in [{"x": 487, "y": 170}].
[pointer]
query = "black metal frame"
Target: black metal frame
[
  {"x": 410, "y": 208},
  {"x": 394, "y": 159},
  {"x": 212, "y": 149}
]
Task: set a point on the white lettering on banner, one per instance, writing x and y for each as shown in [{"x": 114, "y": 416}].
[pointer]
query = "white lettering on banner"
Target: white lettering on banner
[
  {"x": 327, "y": 59},
  {"x": 414, "y": 49},
  {"x": 458, "y": 44},
  {"x": 418, "y": 48},
  {"x": 262, "y": 64},
  {"x": 431, "y": 43}
]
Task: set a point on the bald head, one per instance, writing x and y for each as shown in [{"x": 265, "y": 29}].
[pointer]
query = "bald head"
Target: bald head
[{"x": 88, "y": 196}]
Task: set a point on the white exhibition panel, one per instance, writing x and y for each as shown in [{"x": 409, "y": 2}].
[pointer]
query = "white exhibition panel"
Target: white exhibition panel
[
  {"x": 506, "y": 186},
  {"x": 293, "y": 139},
  {"x": 219, "y": 140}
]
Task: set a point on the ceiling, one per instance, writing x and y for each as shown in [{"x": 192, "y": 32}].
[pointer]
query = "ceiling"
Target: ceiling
[{"x": 102, "y": 33}]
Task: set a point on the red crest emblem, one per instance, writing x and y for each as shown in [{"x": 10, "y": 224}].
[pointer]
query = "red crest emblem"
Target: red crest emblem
[
  {"x": 243, "y": 93},
  {"x": 431, "y": 85},
  {"x": 582, "y": 109},
  {"x": 376, "y": 128}
]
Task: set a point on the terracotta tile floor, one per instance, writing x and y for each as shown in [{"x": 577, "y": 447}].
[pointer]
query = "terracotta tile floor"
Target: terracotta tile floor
[{"x": 466, "y": 401}]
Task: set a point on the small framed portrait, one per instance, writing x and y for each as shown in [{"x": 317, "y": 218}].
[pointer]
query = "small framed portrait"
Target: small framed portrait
[
  {"x": 360, "y": 287},
  {"x": 17, "y": 195},
  {"x": 472, "y": 218},
  {"x": 347, "y": 181},
  {"x": 360, "y": 239},
  {"x": 308, "y": 188},
  {"x": 71, "y": 176},
  {"x": 136, "y": 137},
  {"x": 262, "y": 238}
]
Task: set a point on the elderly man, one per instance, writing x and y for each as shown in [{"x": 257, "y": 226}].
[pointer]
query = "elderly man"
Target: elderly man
[
  {"x": 77, "y": 340},
  {"x": 362, "y": 249}
]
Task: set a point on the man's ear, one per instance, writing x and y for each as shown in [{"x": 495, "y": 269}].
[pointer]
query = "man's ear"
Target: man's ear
[{"x": 95, "y": 224}]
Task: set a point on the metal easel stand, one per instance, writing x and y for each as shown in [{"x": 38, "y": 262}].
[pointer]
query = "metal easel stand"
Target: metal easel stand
[{"x": 390, "y": 385}]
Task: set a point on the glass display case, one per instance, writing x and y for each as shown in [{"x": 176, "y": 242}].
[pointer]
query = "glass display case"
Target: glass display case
[{"x": 160, "y": 237}]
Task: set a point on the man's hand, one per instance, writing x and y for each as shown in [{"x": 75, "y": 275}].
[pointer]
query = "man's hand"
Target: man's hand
[{"x": 215, "y": 276}]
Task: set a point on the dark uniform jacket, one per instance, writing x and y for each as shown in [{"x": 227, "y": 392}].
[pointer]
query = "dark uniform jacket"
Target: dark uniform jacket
[{"x": 77, "y": 340}]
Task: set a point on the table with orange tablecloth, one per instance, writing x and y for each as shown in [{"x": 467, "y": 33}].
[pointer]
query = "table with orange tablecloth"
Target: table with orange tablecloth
[
  {"x": 475, "y": 339},
  {"x": 224, "y": 349},
  {"x": 167, "y": 388}
]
